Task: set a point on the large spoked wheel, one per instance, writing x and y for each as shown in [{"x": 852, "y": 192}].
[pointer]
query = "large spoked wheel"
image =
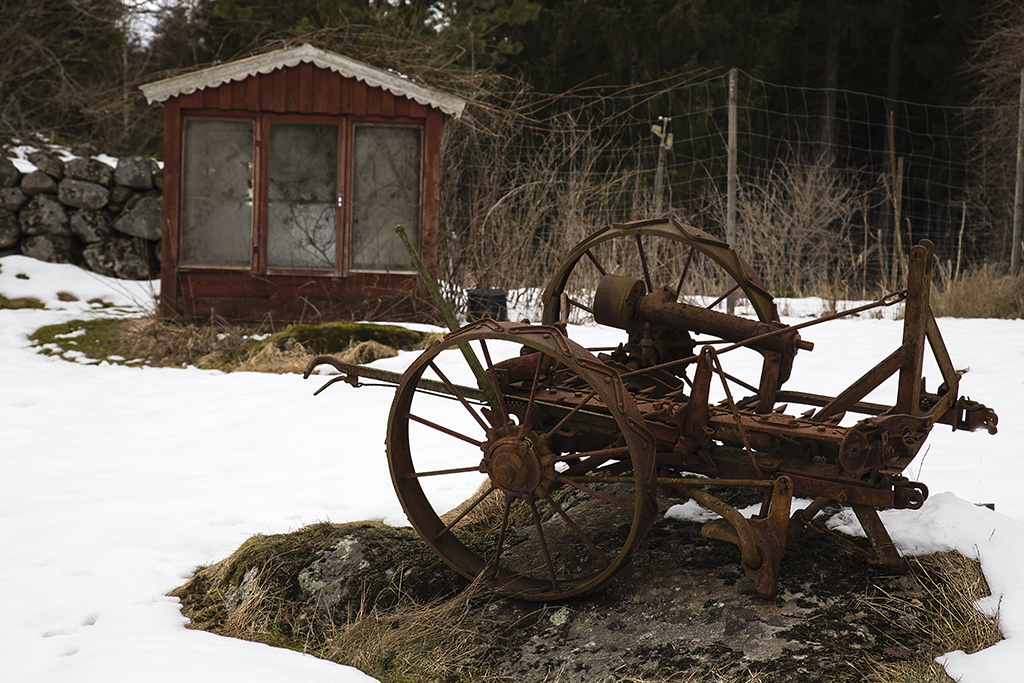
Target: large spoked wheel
[
  {"x": 662, "y": 254},
  {"x": 556, "y": 461}
]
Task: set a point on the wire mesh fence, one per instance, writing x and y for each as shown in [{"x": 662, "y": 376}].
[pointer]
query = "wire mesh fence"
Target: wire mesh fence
[{"x": 833, "y": 186}]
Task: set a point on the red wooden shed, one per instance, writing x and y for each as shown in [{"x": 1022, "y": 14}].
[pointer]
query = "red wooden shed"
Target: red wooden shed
[{"x": 284, "y": 177}]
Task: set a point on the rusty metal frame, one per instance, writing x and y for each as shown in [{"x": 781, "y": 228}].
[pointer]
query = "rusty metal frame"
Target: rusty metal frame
[{"x": 648, "y": 424}]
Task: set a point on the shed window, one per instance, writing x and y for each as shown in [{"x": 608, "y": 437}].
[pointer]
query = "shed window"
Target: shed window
[
  {"x": 385, "y": 193},
  {"x": 216, "y": 217},
  {"x": 327, "y": 197},
  {"x": 302, "y": 196}
]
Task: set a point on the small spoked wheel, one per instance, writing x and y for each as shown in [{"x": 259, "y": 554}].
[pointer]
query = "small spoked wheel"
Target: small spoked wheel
[
  {"x": 661, "y": 253},
  {"x": 546, "y": 443}
]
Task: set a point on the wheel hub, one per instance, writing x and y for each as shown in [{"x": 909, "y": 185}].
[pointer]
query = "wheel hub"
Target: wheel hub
[{"x": 514, "y": 463}]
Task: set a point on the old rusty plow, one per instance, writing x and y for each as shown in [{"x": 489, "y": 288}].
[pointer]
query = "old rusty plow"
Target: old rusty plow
[{"x": 573, "y": 446}]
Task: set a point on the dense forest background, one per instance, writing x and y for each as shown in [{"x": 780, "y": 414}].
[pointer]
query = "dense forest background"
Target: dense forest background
[
  {"x": 834, "y": 92},
  {"x": 72, "y": 67}
]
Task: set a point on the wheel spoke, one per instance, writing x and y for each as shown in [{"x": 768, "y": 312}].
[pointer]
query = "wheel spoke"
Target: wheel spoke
[
  {"x": 643, "y": 262},
  {"x": 597, "y": 494},
  {"x": 724, "y": 296},
  {"x": 444, "y": 430},
  {"x": 686, "y": 268},
  {"x": 597, "y": 264},
  {"x": 576, "y": 530},
  {"x": 435, "y": 473},
  {"x": 586, "y": 308},
  {"x": 496, "y": 562},
  {"x": 533, "y": 389},
  {"x": 465, "y": 512},
  {"x": 544, "y": 546},
  {"x": 497, "y": 389},
  {"x": 603, "y": 455},
  {"x": 568, "y": 417},
  {"x": 458, "y": 394}
]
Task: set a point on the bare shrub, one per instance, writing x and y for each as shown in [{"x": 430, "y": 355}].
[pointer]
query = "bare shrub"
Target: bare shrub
[
  {"x": 534, "y": 195},
  {"x": 794, "y": 227},
  {"x": 983, "y": 292}
]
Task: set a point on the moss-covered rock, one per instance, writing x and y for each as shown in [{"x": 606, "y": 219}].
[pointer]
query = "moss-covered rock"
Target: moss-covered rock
[{"x": 317, "y": 578}]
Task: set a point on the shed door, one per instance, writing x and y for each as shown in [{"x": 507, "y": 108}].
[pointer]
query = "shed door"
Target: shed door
[
  {"x": 216, "y": 204},
  {"x": 385, "y": 193},
  {"x": 302, "y": 196}
]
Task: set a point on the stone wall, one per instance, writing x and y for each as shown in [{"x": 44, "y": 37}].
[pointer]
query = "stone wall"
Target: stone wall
[{"x": 84, "y": 211}]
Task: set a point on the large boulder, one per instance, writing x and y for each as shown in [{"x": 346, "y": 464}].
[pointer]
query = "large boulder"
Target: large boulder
[
  {"x": 10, "y": 176},
  {"x": 52, "y": 248},
  {"x": 90, "y": 225},
  {"x": 142, "y": 218},
  {"x": 121, "y": 257},
  {"x": 10, "y": 228},
  {"x": 38, "y": 182},
  {"x": 90, "y": 170},
  {"x": 49, "y": 163},
  {"x": 12, "y": 198},
  {"x": 135, "y": 172},
  {"x": 83, "y": 194},
  {"x": 44, "y": 215}
]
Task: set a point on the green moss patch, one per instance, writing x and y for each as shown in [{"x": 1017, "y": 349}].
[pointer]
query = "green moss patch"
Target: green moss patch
[
  {"x": 221, "y": 347},
  {"x": 95, "y": 340}
]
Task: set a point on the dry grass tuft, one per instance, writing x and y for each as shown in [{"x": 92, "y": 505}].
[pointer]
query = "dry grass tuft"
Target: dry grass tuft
[
  {"x": 916, "y": 671},
  {"x": 952, "y": 584},
  {"x": 175, "y": 343},
  {"x": 985, "y": 292},
  {"x": 955, "y": 583},
  {"x": 271, "y": 359},
  {"x": 258, "y": 615},
  {"x": 366, "y": 352},
  {"x": 485, "y": 516},
  {"x": 414, "y": 643}
]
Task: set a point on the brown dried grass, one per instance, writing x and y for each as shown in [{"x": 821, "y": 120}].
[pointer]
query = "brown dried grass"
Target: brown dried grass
[
  {"x": 414, "y": 643},
  {"x": 951, "y": 584},
  {"x": 165, "y": 342},
  {"x": 366, "y": 352},
  {"x": 984, "y": 292},
  {"x": 271, "y": 359}
]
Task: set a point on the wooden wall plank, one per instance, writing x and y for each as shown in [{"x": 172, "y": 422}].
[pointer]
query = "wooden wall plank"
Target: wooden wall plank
[
  {"x": 266, "y": 91},
  {"x": 191, "y": 101},
  {"x": 293, "y": 89},
  {"x": 417, "y": 110},
  {"x": 305, "y": 77},
  {"x": 401, "y": 106},
  {"x": 252, "y": 94},
  {"x": 345, "y": 101},
  {"x": 358, "y": 103},
  {"x": 279, "y": 86},
  {"x": 374, "y": 100}
]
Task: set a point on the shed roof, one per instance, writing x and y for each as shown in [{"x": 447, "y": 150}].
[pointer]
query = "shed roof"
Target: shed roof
[{"x": 396, "y": 84}]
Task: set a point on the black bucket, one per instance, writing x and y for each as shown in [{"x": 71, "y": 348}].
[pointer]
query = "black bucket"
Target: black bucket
[{"x": 486, "y": 303}]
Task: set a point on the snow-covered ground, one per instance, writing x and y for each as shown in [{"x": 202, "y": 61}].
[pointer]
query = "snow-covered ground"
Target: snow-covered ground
[{"x": 117, "y": 482}]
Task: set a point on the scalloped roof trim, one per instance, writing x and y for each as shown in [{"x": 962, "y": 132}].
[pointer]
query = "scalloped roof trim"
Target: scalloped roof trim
[{"x": 186, "y": 84}]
